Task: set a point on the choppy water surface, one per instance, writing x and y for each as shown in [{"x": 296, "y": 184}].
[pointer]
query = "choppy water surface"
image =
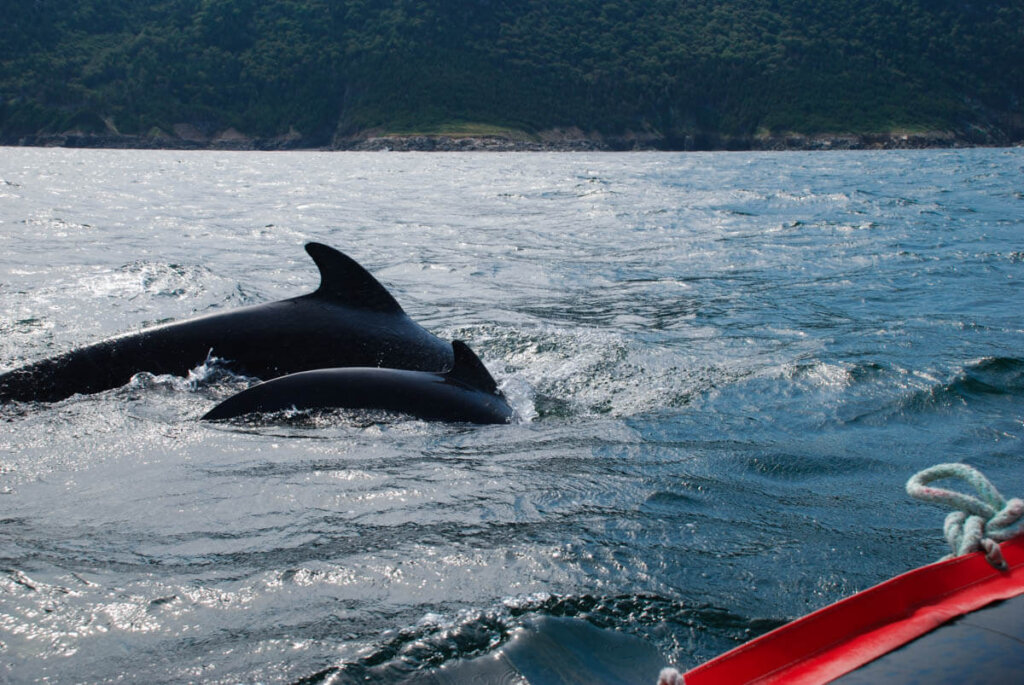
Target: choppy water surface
[{"x": 725, "y": 366}]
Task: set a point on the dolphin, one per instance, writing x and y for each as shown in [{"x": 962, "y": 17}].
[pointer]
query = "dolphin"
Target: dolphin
[
  {"x": 465, "y": 394},
  {"x": 350, "y": 320}
]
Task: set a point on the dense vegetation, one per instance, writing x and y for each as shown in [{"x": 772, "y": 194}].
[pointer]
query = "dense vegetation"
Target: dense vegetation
[{"x": 665, "y": 69}]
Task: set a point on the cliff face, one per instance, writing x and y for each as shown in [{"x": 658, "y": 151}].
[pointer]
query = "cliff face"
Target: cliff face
[{"x": 578, "y": 74}]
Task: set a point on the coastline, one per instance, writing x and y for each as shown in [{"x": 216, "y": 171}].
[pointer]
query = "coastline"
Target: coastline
[{"x": 551, "y": 141}]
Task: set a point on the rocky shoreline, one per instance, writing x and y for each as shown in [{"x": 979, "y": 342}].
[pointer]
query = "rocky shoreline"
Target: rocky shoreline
[
  {"x": 696, "y": 143},
  {"x": 187, "y": 138}
]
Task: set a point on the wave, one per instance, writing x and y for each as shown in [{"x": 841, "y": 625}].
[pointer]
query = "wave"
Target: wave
[
  {"x": 408, "y": 654},
  {"x": 999, "y": 375},
  {"x": 976, "y": 383},
  {"x": 560, "y": 373},
  {"x": 213, "y": 374},
  {"x": 985, "y": 379}
]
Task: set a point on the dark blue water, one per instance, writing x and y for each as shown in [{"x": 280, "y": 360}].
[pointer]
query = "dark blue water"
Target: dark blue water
[{"x": 725, "y": 366}]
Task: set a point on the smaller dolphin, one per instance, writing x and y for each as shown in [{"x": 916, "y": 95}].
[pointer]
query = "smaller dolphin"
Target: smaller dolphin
[{"x": 467, "y": 393}]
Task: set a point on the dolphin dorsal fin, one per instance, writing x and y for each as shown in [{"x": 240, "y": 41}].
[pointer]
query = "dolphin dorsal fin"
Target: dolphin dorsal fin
[
  {"x": 470, "y": 370},
  {"x": 344, "y": 281}
]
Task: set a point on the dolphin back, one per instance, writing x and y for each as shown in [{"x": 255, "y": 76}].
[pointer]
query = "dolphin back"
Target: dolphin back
[{"x": 465, "y": 394}]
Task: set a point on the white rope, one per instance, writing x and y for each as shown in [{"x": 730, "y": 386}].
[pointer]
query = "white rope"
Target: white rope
[
  {"x": 978, "y": 523},
  {"x": 670, "y": 676}
]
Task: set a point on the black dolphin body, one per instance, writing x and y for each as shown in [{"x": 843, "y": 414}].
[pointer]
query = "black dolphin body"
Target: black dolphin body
[
  {"x": 466, "y": 394},
  {"x": 350, "y": 320}
]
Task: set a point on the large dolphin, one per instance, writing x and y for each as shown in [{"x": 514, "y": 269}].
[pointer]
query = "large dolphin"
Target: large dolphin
[
  {"x": 465, "y": 394},
  {"x": 350, "y": 320}
]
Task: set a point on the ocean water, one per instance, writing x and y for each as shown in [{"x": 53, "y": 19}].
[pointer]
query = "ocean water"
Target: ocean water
[{"x": 725, "y": 366}]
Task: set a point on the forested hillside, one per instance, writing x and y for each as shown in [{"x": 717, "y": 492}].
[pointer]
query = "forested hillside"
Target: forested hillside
[{"x": 660, "y": 73}]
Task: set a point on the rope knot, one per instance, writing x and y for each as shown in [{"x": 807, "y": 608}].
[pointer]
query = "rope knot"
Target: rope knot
[{"x": 977, "y": 523}]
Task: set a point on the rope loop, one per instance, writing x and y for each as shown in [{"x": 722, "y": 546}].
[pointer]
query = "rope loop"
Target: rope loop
[{"x": 977, "y": 523}]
